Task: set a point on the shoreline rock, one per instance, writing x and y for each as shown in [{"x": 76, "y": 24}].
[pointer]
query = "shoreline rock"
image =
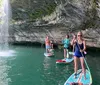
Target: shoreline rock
[{"x": 38, "y": 44}]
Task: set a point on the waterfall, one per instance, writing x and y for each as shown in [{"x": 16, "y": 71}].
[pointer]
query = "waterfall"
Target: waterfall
[
  {"x": 4, "y": 28},
  {"x": 4, "y": 24}
]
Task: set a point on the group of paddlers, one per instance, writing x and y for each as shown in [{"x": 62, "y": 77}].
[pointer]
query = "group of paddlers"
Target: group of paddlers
[{"x": 79, "y": 46}]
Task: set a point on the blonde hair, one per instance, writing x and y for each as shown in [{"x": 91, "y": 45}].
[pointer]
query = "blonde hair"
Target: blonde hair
[{"x": 80, "y": 33}]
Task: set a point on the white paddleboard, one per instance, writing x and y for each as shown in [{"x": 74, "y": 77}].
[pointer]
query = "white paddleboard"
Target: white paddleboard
[{"x": 48, "y": 54}]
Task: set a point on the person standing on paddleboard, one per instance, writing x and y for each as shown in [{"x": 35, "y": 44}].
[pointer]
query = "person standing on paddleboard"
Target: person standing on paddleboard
[
  {"x": 47, "y": 44},
  {"x": 80, "y": 47},
  {"x": 66, "y": 43}
]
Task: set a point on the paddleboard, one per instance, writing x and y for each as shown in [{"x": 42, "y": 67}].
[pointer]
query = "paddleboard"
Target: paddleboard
[
  {"x": 65, "y": 61},
  {"x": 48, "y": 54},
  {"x": 80, "y": 78}
]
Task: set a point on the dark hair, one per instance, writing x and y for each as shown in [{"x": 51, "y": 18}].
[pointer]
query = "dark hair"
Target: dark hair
[{"x": 67, "y": 35}]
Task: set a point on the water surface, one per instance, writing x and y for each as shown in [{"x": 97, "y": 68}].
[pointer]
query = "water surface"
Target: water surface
[{"x": 28, "y": 66}]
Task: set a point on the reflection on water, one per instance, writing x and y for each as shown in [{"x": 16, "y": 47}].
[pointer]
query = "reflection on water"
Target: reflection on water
[
  {"x": 4, "y": 68},
  {"x": 54, "y": 74},
  {"x": 46, "y": 63}
]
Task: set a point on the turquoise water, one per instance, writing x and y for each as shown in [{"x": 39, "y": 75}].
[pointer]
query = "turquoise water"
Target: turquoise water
[{"x": 28, "y": 66}]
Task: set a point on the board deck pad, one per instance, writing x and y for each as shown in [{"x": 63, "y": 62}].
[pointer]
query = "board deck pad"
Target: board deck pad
[
  {"x": 87, "y": 80},
  {"x": 67, "y": 60},
  {"x": 80, "y": 78}
]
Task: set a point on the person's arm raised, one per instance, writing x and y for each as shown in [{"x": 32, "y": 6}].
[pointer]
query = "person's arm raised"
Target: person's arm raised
[
  {"x": 84, "y": 43},
  {"x": 73, "y": 40}
]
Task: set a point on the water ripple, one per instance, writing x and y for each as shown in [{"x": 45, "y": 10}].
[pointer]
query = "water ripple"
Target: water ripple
[{"x": 4, "y": 80}]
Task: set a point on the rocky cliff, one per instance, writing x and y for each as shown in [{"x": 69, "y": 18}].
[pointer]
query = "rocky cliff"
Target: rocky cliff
[{"x": 32, "y": 20}]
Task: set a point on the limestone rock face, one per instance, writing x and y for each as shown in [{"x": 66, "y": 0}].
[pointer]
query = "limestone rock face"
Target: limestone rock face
[{"x": 66, "y": 17}]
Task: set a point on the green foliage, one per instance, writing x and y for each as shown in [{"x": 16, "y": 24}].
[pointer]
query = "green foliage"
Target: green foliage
[
  {"x": 32, "y": 9},
  {"x": 0, "y": 3},
  {"x": 11, "y": 1},
  {"x": 46, "y": 10},
  {"x": 89, "y": 24},
  {"x": 1, "y": 22},
  {"x": 92, "y": 14}
]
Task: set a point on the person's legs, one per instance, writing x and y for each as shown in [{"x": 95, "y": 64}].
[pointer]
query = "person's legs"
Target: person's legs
[
  {"x": 67, "y": 52},
  {"x": 64, "y": 53},
  {"x": 75, "y": 64},
  {"x": 47, "y": 48},
  {"x": 83, "y": 67}
]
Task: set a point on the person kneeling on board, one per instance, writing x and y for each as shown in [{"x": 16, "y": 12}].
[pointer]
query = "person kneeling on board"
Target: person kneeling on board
[{"x": 80, "y": 47}]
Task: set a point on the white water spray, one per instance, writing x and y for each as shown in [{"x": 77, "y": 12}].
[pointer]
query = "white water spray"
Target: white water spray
[
  {"x": 4, "y": 28},
  {"x": 4, "y": 24}
]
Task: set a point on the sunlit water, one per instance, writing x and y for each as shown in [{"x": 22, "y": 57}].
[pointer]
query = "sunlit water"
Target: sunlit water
[{"x": 28, "y": 66}]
